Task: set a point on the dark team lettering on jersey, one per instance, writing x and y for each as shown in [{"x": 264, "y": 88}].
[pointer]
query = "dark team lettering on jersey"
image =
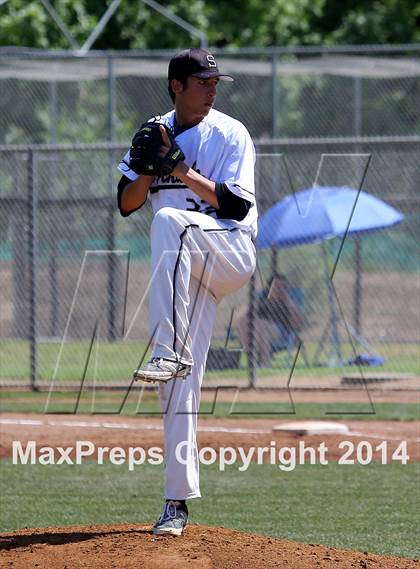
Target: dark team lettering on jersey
[{"x": 221, "y": 149}]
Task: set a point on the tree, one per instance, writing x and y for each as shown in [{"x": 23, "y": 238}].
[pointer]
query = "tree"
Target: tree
[
  {"x": 369, "y": 22},
  {"x": 231, "y": 23}
]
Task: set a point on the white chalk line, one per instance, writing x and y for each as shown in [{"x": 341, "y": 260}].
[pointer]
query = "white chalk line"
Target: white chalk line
[
  {"x": 127, "y": 426},
  {"x": 107, "y": 425},
  {"x": 381, "y": 437}
]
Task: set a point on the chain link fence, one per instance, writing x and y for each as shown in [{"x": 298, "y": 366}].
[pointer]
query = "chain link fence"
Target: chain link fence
[
  {"x": 54, "y": 98},
  {"x": 74, "y": 274}
]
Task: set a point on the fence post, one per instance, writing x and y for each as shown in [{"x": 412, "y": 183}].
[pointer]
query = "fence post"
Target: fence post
[
  {"x": 252, "y": 358},
  {"x": 54, "y": 287},
  {"x": 357, "y": 132},
  {"x": 112, "y": 260},
  {"x": 112, "y": 275},
  {"x": 274, "y": 97},
  {"x": 32, "y": 254},
  {"x": 19, "y": 273},
  {"x": 111, "y": 99},
  {"x": 357, "y": 107}
]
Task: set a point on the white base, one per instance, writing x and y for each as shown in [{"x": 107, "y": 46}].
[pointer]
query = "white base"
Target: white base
[{"x": 312, "y": 428}]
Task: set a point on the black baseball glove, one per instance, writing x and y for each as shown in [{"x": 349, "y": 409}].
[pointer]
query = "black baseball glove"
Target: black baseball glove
[{"x": 145, "y": 151}]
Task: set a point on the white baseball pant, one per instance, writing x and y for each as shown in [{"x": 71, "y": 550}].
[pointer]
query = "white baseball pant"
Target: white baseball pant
[{"x": 196, "y": 261}]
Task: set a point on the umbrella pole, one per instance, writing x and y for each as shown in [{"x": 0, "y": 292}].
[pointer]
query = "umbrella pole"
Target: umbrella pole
[
  {"x": 336, "y": 357},
  {"x": 357, "y": 293},
  {"x": 320, "y": 347},
  {"x": 274, "y": 252}
]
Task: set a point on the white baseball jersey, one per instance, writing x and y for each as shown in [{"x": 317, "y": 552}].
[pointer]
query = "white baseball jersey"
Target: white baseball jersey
[{"x": 221, "y": 149}]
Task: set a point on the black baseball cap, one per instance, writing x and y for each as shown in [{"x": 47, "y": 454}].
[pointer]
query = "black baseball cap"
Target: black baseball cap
[{"x": 196, "y": 62}]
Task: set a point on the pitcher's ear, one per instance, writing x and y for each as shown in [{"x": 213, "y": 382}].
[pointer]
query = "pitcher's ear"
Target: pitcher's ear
[{"x": 177, "y": 86}]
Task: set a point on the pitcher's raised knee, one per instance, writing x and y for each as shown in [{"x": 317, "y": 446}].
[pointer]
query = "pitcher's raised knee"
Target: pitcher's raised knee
[{"x": 168, "y": 216}]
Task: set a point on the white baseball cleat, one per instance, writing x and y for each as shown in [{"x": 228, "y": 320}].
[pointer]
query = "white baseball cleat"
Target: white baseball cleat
[{"x": 159, "y": 369}]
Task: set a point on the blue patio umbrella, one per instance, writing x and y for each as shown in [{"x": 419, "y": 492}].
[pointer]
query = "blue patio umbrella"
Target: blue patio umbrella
[{"x": 322, "y": 213}]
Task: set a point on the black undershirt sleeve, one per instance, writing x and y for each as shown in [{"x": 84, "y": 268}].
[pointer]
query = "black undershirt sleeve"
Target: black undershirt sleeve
[
  {"x": 124, "y": 181},
  {"x": 231, "y": 206}
]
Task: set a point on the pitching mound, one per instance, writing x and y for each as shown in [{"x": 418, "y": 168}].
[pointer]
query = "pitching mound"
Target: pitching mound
[{"x": 129, "y": 546}]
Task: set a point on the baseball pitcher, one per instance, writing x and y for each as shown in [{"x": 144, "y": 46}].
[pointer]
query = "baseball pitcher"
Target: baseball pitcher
[{"x": 196, "y": 166}]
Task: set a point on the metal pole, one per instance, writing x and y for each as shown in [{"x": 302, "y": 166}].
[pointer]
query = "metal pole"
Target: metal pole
[
  {"x": 64, "y": 29},
  {"x": 112, "y": 258},
  {"x": 100, "y": 26},
  {"x": 111, "y": 99},
  {"x": 336, "y": 358},
  {"x": 252, "y": 356},
  {"x": 19, "y": 275},
  {"x": 357, "y": 290},
  {"x": 112, "y": 274},
  {"x": 358, "y": 286},
  {"x": 178, "y": 21},
  {"x": 274, "y": 98},
  {"x": 274, "y": 255},
  {"x": 54, "y": 286},
  {"x": 274, "y": 134},
  {"x": 53, "y": 103},
  {"x": 53, "y": 268},
  {"x": 357, "y": 106},
  {"x": 32, "y": 258}
]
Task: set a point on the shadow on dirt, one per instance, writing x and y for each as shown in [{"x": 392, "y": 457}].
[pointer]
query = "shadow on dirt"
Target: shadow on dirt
[{"x": 8, "y": 542}]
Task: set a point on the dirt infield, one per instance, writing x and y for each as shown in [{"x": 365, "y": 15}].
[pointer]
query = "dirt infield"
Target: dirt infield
[
  {"x": 201, "y": 547},
  {"x": 134, "y": 546}
]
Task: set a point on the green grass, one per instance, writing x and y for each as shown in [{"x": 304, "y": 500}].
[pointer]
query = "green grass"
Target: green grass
[
  {"x": 116, "y": 361},
  {"x": 366, "y": 508},
  {"x": 111, "y": 402}
]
